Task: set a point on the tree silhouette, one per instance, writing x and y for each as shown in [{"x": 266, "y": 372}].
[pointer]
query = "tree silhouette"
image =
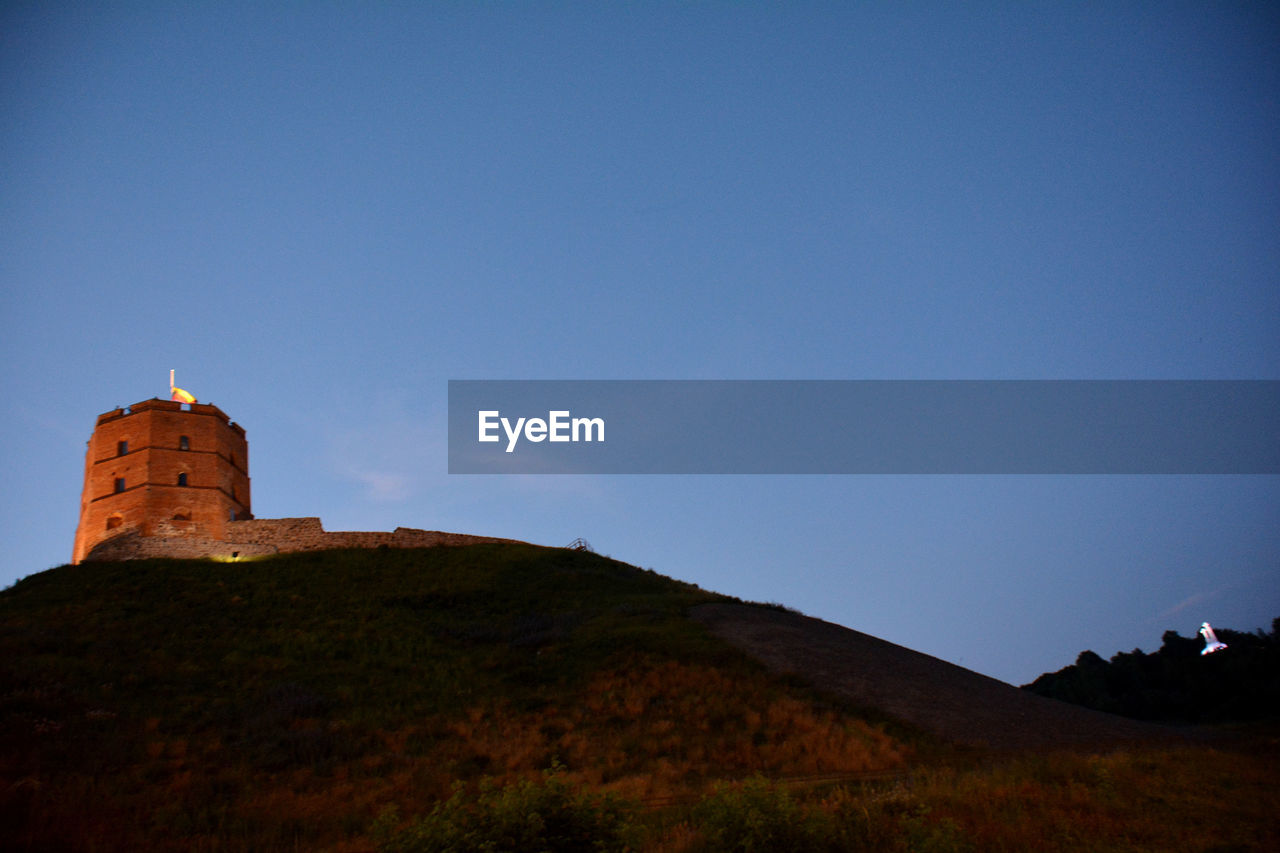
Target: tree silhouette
[{"x": 1177, "y": 683}]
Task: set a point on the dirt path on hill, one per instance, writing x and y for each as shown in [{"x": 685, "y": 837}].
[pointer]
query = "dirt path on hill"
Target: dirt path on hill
[{"x": 948, "y": 700}]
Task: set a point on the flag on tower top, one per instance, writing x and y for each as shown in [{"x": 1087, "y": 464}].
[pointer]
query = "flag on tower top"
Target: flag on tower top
[{"x": 176, "y": 393}]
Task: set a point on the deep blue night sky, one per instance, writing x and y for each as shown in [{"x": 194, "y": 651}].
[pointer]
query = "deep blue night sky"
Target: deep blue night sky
[{"x": 320, "y": 213}]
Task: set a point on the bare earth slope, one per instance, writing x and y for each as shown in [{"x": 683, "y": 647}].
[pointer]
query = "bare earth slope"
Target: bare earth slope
[{"x": 948, "y": 700}]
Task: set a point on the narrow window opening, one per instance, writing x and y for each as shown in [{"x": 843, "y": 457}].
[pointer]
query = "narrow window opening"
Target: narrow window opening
[
  {"x": 184, "y": 442},
  {"x": 122, "y": 447},
  {"x": 182, "y": 479},
  {"x": 119, "y": 485}
]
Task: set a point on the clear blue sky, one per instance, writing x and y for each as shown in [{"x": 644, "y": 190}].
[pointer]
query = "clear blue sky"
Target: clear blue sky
[{"x": 319, "y": 213}]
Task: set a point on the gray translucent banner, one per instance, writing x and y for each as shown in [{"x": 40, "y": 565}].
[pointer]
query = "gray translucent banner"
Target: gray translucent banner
[{"x": 864, "y": 427}]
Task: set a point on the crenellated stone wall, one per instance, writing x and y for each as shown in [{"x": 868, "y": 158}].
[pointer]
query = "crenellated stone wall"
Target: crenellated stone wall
[{"x": 261, "y": 536}]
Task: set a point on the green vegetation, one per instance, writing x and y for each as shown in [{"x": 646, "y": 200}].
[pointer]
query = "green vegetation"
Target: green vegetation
[
  {"x": 287, "y": 701},
  {"x": 545, "y": 815},
  {"x": 1182, "y": 798},
  {"x": 413, "y": 700}
]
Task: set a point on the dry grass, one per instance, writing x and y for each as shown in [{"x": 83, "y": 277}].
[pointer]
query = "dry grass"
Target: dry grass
[
  {"x": 137, "y": 711},
  {"x": 667, "y": 729},
  {"x": 1175, "y": 798},
  {"x": 1191, "y": 798}
]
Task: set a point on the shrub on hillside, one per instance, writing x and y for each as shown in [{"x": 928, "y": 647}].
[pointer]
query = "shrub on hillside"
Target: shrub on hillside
[
  {"x": 759, "y": 815},
  {"x": 547, "y": 816}
]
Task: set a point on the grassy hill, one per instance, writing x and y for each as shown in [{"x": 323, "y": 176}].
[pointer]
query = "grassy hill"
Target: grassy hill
[{"x": 346, "y": 700}]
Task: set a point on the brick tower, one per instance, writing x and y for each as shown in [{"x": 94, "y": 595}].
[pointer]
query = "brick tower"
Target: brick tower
[{"x": 162, "y": 468}]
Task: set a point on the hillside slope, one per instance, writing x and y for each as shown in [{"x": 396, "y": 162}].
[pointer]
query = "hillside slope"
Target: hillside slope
[
  {"x": 947, "y": 700},
  {"x": 174, "y": 703},
  {"x": 285, "y": 703}
]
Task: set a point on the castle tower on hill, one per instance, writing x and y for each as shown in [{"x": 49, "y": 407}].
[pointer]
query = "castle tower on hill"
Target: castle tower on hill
[
  {"x": 170, "y": 478},
  {"x": 163, "y": 468}
]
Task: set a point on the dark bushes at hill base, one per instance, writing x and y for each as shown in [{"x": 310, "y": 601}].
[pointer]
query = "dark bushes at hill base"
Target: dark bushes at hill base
[
  {"x": 536, "y": 816},
  {"x": 754, "y": 816},
  {"x": 1176, "y": 683}
]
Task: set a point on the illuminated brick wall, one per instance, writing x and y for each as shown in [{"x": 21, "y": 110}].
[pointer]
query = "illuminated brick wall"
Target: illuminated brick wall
[
  {"x": 163, "y": 468},
  {"x": 163, "y": 479},
  {"x": 263, "y": 536}
]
